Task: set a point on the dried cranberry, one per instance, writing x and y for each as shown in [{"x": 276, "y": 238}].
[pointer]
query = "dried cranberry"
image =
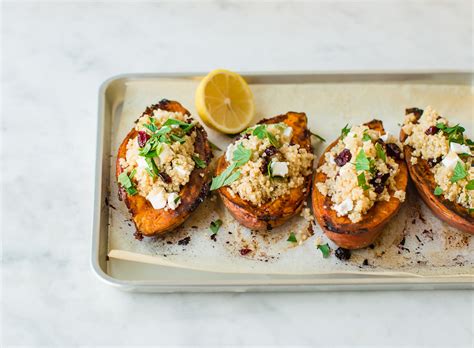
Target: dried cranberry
[
  {"x": 165, "y": 177},
  {"x": 245, "y": 251},
  {"x": 394, "y": 151},
  {"x": 343, "y": 254},
  {"x": 266, "y": 156},
  {"x": 142, "y": 138},
  {"x": 378, "y": 181},
  {"x": 270, "y": 151},
  {"x": 434, "y": 161},
  {"x": 432, "y": 130},
  {"x": 344, "y": 157}
]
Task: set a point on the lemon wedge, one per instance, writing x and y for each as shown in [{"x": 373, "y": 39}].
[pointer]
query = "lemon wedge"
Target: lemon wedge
[{"x": 224, "y": 101}]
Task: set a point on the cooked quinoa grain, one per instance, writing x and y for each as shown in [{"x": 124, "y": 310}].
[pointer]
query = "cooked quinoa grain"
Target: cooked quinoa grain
[
  {"x": 359, "y": 172},
  {"x": 448, "y": 152}
]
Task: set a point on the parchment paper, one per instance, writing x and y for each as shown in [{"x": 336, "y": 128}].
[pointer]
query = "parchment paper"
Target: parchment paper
[{"x": 415, "y": 242}]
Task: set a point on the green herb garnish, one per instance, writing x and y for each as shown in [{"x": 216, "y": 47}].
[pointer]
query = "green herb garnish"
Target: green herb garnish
[
  {"x": 318, "y": 137},
  {"x": 292, "y": 238},
  {"x": 126, "y": 182},
  {"x": 215, "y": 225},
  {"x": 380, "y": 152},
  {"x": 261, "y": 132},
  {"x": 470, "y": 185},
  {"x": 438, "y": 191},
  {"x": 366, "y": 137},
  {"x": 362, "y": 161},
  {"x": 455, "y": 133},
  {"x": 361, "y": 181},
  {"x": 345, "y": 131},
  {"x": 199, "y": 162},
  {"x": 186, "y": 127},
  {"x": 152, "y": 168},
  {"x": 459, "y": 173},
  {"x": 241, "y": 155},
  {"x": 177, "y": 199},
  {"x": 177, "y": 138},
  {"x": 325, "y": 250},
  {"x": 225, "y": 178}
]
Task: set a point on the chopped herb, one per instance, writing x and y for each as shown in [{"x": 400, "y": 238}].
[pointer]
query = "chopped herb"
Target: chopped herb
[
  {"x": 269, "y": 170},
  {"x": 261, "y": 132},
  {"x": 199, "y": 162},
  {"x": 224, "y": 177},
  {"x": 325, "y": 250},
  {"x": 362, "y": 161},
  {"x": 345, "y": 131},
  {"x": 438, "y": 191},
  {"x": 459, "y": 172},
  {"x": 366, "y": 137},
  {"x": 318, "y": 137},
  {"x": 126, "y": 182},
  {"x": 163, "y": 130},
  {"x": 177, "y": 138},
  {"x": 186, "y": 127},
  {"x": 151, "y": 127},
  {"x": 241, "y": 155},
  {"x": 470, "y": 185},
  {"x": 152, "y": 168},
  {"x": 292, "y": 238},
  {"x": 231, "y": 178},
  {"x": 362, "y": 182},
  {"x": 215, "y": 225},
  {"x": 177, "y": 199},
  {"x": 380, "y": 152},
  {"x": 214, "y": 146},
  {"x": 455, "y": 133}
]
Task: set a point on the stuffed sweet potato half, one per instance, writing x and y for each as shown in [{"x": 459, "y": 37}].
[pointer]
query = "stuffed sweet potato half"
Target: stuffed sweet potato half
[
  {"x": 359, "y": 185},
  {"x": 440, "y": 161},
  {"x": 264, "y": 177},
  {"x": 162, "y": 168}
]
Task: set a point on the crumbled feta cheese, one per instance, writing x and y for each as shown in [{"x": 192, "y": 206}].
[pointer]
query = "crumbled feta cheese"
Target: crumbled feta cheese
[
  {"x": 173, "y": 200},
  {"x": 157, "y": 199},
  {"x": 166, "y": 154},
  {"x": 141, "y": 162},
  {"x": 450, "y": 160},
  {"x": 288, "y": 132},
  {"x": 279, "y": 168},
  {"x": 181, "y": 171},
  {"x": 345, "y": 207},
  {"x": 229, "y": 154},
  {"x": 459, "y": 148}
]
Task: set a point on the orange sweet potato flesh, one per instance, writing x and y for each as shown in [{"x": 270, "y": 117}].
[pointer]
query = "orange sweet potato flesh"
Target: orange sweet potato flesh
[
  {"x": 276, "y": 212},
  {"x": 152, "y": 222},
  {"x": 340, "y": 229},
  {"x": 450, "y": 212}
]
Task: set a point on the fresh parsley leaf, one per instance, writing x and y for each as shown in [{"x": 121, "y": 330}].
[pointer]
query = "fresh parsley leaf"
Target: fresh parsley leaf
[
  {"x": 459, "y": 173},
  {"x": 269, "y": 170},
  {"x": 173, "y": 121},
  {"x": 292, "y": 238},
  {"x": 441, "y": 126},
  {"x": 177, "y": 138},
  {"x": 177, "y": 199},
  {"x": 229, "y": 180},
  {"x": 260, "y": 132},
  {"x": 199, "y": 162},
  {"x": 152, "y": 168},
  {"x": 318, "y": 137},
  {"x": 241, "y": 155},
  {"x": 218, "y": 181},
  {"x": 380, "y": 152},
  {"x": 361, "y": 181},
  {"x": 455, "y": 133},
  {"x": 325, "y": 250},
  {"x": 345, "y": 131},
  {"x": 163, "y": 130},
  {"x": 214, "y": 146},
  {"x": 215, "y": 226},
  {"x": 366, "y": 137},
  {"x": 470, "y": 185},
  {"x": 438, "y": 191},
  {"x": 150, "y": 126},
  {"x": 132, "y": 173},
  {"x": 126, "y": 182},
  {"x": 362, "y": 161}
]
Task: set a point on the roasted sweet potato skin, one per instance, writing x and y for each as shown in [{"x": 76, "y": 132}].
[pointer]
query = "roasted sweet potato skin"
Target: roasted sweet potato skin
[
  {"x": 277, "y": 212},
  {"x": 340, "y": 229},
  {"x": 450, "y": 212},
  {"x": 152, "y": 222}
]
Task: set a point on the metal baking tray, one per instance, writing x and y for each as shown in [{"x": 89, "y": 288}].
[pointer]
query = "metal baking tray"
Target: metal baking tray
[{"x": 132, "y": 276}]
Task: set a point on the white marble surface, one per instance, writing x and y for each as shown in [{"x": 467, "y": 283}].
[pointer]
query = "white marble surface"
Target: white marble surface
[{"x": 55, "y": 55}]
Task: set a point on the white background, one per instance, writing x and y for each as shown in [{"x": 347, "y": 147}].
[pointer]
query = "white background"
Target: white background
[{"x": 54, "y": 57}]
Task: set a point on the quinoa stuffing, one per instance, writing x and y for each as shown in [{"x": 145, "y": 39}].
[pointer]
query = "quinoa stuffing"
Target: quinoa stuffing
[
  {"x": 160, "y": 159},
  {"x": 263, "y": 164},
  {"x": 360, "y": 170},
  {"x": 448, "y": 152}
]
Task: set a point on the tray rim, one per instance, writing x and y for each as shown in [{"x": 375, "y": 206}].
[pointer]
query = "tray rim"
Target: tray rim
[{"x": 358, "y": 282}]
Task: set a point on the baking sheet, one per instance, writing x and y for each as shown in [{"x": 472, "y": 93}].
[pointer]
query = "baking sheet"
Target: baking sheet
[{"x": 414, "y": 243}]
